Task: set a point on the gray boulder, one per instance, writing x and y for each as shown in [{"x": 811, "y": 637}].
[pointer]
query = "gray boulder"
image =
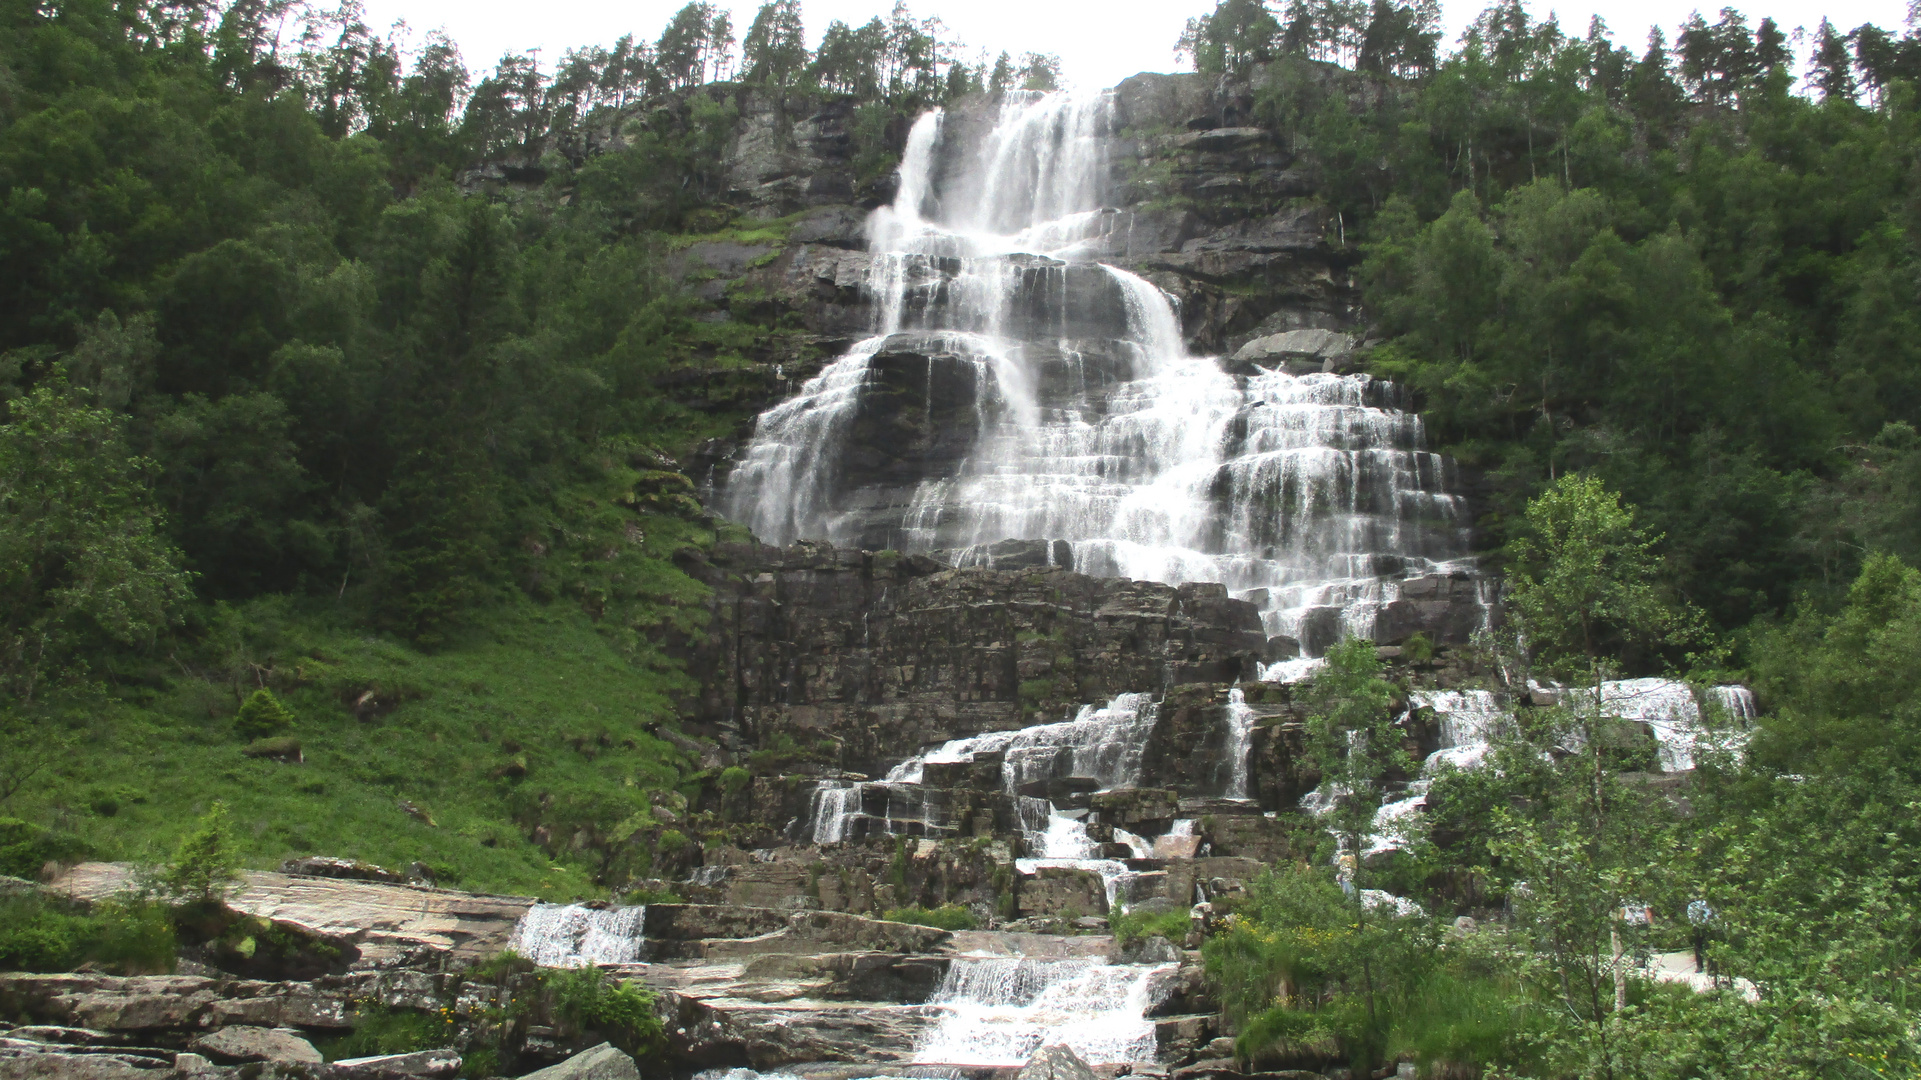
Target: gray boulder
[
  {"x": 602, "y": 1062},
  {"x": 347, "y": 869},
  {"x": 240, "y": 1043},
  {"x": 1149, "y": 950},
  {"x": 1299, "y": 350},
  {"x": 1055, "y": 1063}
]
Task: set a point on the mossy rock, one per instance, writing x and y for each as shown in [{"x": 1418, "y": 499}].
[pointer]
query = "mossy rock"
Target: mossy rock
[{"x": 283, "y": 748}]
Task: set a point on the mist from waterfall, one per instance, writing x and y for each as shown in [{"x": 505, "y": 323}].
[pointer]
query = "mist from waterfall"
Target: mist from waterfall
[{"x": 1311, "y": 494}]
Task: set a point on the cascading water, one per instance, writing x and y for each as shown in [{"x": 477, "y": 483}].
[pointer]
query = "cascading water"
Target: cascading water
[
  {"x": 575, "y": 935},
  {"x": 1102, "y": 744},
  {"x": 999, "y": 1011},
  {"x": 1469, "y": 722},
  {"x": 1090, "y": 423},
  {"x": 1240, "y": 732}
]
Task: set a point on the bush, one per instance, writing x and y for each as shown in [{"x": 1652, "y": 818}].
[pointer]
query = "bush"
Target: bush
[
  {"x": 262, "y": 716},
  {"x": 132, "y": 936},
  {"x": 734, "y": 779},
  {"x": 205, "y": 866},
  {"x": 379, "y": 1030},
  {"x": 1418, "y": 649},
  {"x": 122, "y": 935},
  {"x": 36, "y": 936},
  {"x": 26, "y": 847},
  {"x": 945, "y": 917},
  {"x": 623, "y": 1011},
  {"x": 1132, "y": 926}
]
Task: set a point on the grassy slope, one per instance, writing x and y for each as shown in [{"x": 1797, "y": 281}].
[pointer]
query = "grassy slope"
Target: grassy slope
[
  {"x": 536, "y": 715},
  {"x": 540, "y": 679}
]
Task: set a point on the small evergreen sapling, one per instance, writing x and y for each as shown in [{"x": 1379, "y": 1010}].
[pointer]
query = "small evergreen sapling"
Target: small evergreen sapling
[
  {"x": 262, "y": 716},
  {"x": 206, "y": 866}
]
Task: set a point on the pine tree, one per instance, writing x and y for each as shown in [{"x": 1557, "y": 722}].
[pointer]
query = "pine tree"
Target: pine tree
[
  {"x": 262, "y": 716},
  {"x": 1833, "y": 67},
  {"x": 775, "y": 50}
]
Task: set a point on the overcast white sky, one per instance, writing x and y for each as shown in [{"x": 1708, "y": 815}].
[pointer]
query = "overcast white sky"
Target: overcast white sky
[{"x": 1100, "y": 42}]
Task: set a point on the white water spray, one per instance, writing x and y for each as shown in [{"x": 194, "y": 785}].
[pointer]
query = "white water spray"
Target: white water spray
[{"x": 1091, "y": 423}]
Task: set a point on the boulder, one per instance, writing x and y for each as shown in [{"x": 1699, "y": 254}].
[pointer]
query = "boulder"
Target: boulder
[
  {"x": 34, "y": 1065},
  {"x": 1301, "y": 351},
  {"x": 328, "y": 866},
  {"x": 602, "y": 1062},
  {"x": 834, "y": 226},
  {"x": 1056, "y": 1062},
  {"x": 240, "y": 1044},
  {"x": 1054, "y": 890},
  {"x": 401, "y": 1066},
  {"x": 1148, "y": 950}
]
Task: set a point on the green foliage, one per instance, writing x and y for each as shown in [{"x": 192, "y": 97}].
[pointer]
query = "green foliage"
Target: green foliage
[
  {"x": 588, "y": 998},
  {"x": 83, "y": 566},
  {"x": 1585, "y": 583},
  {"x": 1131, "y": 926},
  {"x": 206, "y": 866},
  {"x": 262, "y": 716},
  {"x": 1303, "y": 967},
  {"x": 734, "y": 780},
  {"x": 379, "y": 1029},
  {"x": 123, "y": 935},
  {"x": 1354, "y": 738},
  {"x": 944, "y": 917},
  {"x": 26, "y": 847}
]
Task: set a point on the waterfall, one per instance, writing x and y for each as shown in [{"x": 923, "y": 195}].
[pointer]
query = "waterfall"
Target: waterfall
[
  {"x": 1240, "y": 742},
  {"x": 999, "y": 1011},
  {"x": 1102, "y": 743},
  {"x": 1735, "y": 702},
  {"x": 1469, "y": 721},
  {"x": 1079, "y": 415},
  {"x": 575, "y": 935}
]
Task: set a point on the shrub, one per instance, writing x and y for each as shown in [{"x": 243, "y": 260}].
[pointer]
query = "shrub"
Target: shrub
[
  {"x": 945, "y": 917},
  {"x": 205, "y": 866},
  {"x": 502, "y": 964},
  {"x": 123, "y": 936},
  {"x": 381, "y": 1030},
  {"x": 671, "y": 842},
  {"x": 1132, "y": 926},
  {"x": 36, "y": 936},
  {"x": 1418, "y": 649},
  {"x": 26, "y": 847},
  {"x": 623, "y": 1011},
  {"x": 132, "y": 936},
  {"x": 262, "y": 716},
  {"x": 734, "y": 779}
]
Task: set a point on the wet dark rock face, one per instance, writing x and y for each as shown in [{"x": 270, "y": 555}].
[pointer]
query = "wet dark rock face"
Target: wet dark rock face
[{"x": 860, "y": 659}]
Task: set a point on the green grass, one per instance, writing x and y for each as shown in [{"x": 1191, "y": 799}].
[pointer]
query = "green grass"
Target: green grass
[
  {"x": 541, "y": 687},
  {"x": 1132, "y": 926},
  {"x": 744, "y": 231}
]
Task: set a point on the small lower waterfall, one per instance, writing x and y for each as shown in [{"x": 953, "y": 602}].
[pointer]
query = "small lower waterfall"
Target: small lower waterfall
[
  {"x": 576, "y": 935},
  {"x": 999, "y": 1011},
  {"x": 1469, "y": 722},
  {"x": 1100, "y": 742},
  {"x": 1240, "y": 742}
]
